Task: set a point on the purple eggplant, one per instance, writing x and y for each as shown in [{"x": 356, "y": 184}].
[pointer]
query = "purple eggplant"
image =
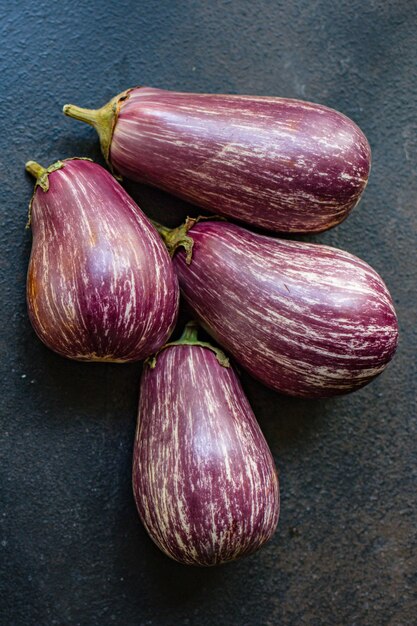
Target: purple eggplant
[
  {"x": 204, "y": 479},
  {"x": 305, "y": 319},
  {"x": 101, "y": 285},
  {"x": 281, "y": 164}
]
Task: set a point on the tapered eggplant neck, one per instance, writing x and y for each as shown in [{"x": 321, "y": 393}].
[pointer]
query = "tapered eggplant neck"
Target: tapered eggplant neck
[
  {"x": 42, "y": 176},
  {"x": 42, "y": 173},
  {"x": 103, "y": 119},
  {"x": 189, "y": 337},
  {"x": 42, "y": 180}
]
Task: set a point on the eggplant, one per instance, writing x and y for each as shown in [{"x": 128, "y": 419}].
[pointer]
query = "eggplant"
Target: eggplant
[
  {"x": 100, "y": 285},
  {"x": 281, "y": 164},
  {"x": 204, "y": 479},
  {"x": 304, "y": 319}
]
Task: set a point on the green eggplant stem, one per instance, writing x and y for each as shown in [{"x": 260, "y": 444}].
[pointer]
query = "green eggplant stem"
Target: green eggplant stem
[
  {"x": 189, "y": 337},
  {"x": 177, "y": 237},
  {"x": 90, "y": 116},
  {"x": 35, "y": 169},
  {"x": 164, "y": 231},
  {"x": 103, "y": 120},
  {"x": 190, "y": 333}
]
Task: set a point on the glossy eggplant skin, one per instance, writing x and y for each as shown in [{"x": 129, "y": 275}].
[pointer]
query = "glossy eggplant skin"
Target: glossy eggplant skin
[
  {"x": 280, "y": 164},
  {"x": 100, "y": 285},
  {"x": 305, "y": 319},
  {"x": 204, "y": 479}
]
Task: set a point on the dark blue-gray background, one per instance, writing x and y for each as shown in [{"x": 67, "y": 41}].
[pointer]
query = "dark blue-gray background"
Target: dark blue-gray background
[{"x": 72, "y": 549}]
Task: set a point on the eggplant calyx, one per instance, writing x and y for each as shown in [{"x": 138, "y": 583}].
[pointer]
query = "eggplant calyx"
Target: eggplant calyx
[
  {"x": 175, "y": 238},
  {"x": 42, "y": 177},
  {"x": 178, "y": 237},
  {"x": 189, "y": 338},
  {"x": 103, "y": 120},
  {"x": 42, "y": 173}
]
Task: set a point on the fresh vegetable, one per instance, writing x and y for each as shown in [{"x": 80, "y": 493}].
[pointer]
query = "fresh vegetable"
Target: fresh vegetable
[
  {"x": 305, "y": 319},
  {"x": 101, "y": 286},
  {"x": 204, "y": 478},
  {"x": 281, "y": 164}
]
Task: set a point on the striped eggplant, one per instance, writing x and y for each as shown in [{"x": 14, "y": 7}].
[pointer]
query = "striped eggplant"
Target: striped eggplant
[
  {"x": 277, "y": 163},
  {"x": 100, "y": 286},
  {"x": 305, "y": 319},
  {"x": 204, "y": 479}
]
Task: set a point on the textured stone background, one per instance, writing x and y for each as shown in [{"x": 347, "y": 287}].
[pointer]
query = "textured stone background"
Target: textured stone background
[{"x": 72, "y": 548}]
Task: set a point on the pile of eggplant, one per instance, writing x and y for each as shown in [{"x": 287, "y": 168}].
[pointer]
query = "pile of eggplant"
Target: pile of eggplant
[{"x": 305, "y": 319}]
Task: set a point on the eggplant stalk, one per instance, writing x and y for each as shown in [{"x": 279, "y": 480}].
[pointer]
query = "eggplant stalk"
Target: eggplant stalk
[
  {"x": 189, "y": 337},
  {"x": 103, "y": 120}
]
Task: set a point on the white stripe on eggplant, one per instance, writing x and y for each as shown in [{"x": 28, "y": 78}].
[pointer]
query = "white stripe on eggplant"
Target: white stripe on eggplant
[
  {"x": 203, "y": 477},
  {"x": 304, "y": 319},
  {"x": 100, "y": 283},
  {"x": 282, "y": 164}
]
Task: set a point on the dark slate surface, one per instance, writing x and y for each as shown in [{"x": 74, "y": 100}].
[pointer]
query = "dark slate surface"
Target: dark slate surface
[{"x": 72, "y": 549}]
